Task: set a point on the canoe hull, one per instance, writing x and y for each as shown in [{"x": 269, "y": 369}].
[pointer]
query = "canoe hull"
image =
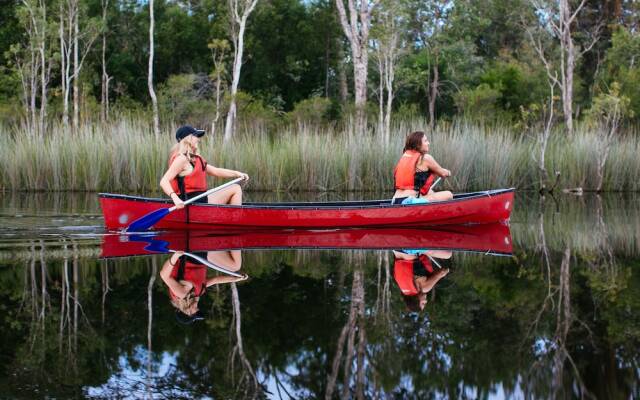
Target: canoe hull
[{"x": 472, "y": 208}]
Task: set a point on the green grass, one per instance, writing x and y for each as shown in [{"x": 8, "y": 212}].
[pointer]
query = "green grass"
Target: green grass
[{"x": 125, "y": 156}]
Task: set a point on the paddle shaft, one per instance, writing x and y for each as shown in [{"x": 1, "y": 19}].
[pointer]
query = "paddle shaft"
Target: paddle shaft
[
  {"x": 435, "y": 183},
  {"x": 208, "y": 192},
  {"x": 209, "y": 264}
]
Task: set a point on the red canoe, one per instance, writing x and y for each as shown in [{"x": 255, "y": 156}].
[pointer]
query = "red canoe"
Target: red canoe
[
  {"x": 466, "y": 208},
  {"x": 486, "y": 238}
]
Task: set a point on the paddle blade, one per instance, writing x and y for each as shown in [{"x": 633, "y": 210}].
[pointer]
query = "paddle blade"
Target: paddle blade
[{"x": 149, "y": 220}]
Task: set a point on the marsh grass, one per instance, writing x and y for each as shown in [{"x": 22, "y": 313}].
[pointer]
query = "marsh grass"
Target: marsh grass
[{"x": 125, "y": 156}]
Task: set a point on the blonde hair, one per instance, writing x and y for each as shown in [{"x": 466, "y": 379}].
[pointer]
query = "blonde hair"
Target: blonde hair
[
  {"x": 184, "y": 304},
  {"x": 184, "y": 147}
]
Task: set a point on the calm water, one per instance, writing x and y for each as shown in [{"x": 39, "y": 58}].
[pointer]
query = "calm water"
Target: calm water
[{"x": 560, "y": 318}]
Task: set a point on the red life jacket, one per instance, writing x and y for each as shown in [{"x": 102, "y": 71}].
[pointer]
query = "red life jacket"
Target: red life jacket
[
  {"x": 196, "y": 181},
  {"x": 406, "y": 176},
  {"x": 403, "y": 273},
  {"x": 189, "y": 271}
]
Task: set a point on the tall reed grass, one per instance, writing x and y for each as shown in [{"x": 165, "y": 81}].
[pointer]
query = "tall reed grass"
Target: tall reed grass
[{"x": 125, "y": 156}]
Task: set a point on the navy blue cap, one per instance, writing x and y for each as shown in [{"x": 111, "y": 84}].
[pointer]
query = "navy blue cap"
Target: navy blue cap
[
  {"x": 187, "y": 130},
  {"x": 186, "y": 319}
]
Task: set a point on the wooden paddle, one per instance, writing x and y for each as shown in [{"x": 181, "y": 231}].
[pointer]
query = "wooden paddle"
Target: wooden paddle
[{"x": 149, "y": 220}]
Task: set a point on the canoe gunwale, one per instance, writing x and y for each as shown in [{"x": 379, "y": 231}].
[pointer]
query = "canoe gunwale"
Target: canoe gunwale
[{"x": 334, "y": 205}]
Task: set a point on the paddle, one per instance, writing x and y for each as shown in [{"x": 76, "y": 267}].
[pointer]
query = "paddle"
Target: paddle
[
  {"x": 149, "y": 220},
  {"x": 434, "y": 183}
]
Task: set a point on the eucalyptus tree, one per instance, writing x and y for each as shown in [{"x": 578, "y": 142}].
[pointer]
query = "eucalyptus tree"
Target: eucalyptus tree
[
  {"x": 152, "y": 92},
  {"x": 219, "y": 49},
  {"x": 76, "y": 33},
  {"x": 33, "y": 62},
  {"x": 239, "y": 11},
  {"x": 389, "y": 45},
  {"x": 105, "y": 78},
  {"x": 559, "y": 19},
  {"x": 356, "y": 24}
]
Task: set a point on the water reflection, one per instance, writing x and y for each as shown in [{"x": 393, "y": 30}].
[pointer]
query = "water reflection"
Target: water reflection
[
  {"x": 416, "y": 273},
  {"x": 185, "y": 275},
  {"x": 557, "y": 320}
]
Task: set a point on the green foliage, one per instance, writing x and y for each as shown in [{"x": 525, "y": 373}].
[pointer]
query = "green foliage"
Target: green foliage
[
  {"x": 621, "y": 66},
  {"x": 186, "y": 98},
  {"x": 314, "y": 110},
  {"x": 611, "y": 109},
  {"x": 480, "y": 103}
]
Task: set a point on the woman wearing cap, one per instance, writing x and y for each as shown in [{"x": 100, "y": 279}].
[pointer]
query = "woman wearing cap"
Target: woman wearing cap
[
  {"x": 415, "y": 275},
  {"x": 187, "y": 173},
  {"x": 186, "y": 279},
  {"x": 416, "y": 171}
]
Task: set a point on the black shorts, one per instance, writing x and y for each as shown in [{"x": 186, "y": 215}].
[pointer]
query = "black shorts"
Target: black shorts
[
  {"x": 399, "y": 200},
  {"x": 191, "y": 195}
]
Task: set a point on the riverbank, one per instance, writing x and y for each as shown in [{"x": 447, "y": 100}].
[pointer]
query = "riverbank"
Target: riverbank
[{"x": 125, "y": 156}]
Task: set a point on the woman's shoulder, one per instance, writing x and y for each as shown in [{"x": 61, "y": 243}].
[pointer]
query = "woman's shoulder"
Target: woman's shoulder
[{"x": 178, "y": 157}]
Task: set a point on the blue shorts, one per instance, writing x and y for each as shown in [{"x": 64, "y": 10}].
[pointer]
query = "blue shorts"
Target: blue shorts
[
  {"x": 415, "y": 252},
  {"x": 415, "y": 200}
]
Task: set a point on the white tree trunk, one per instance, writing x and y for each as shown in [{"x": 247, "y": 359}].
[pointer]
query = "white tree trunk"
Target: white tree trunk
[
  {"x": 356, "y": 27},
  {"x": 76, "y": 72},
  {"x": 240, "y": 10},
  {"x": 433, "y": 94},
  {"x": 44, "y": 69},
  {"x": 152, "y": 92},
  {"x": 104, "y": 95}
]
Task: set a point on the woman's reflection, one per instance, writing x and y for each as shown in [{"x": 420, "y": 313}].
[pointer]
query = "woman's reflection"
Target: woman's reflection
[
  {"x": 416, "y": 275},
  {"x": 185, "y": 274}
]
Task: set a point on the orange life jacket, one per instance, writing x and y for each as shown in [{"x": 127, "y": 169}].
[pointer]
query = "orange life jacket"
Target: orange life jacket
[
  {"x": 191, "y": 272},
  {"x": 403, "y": 272},
  {"x": 196, "y": 181},
  {"x": 406, "y": 176}
]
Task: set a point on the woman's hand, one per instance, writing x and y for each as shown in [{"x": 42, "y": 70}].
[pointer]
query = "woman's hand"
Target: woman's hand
[
  {"x": 244, "y": 277},
  {"x": 242, "y": 175},
  {"x": 446, "y": 173},
  {"x": 177, "y": 201}
]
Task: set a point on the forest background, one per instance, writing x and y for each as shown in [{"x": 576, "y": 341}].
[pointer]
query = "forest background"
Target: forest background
[{"x": 319, "y": 95}]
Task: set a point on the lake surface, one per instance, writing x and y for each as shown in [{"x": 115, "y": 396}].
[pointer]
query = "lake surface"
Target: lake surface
[{"x": 559, "y": 318}]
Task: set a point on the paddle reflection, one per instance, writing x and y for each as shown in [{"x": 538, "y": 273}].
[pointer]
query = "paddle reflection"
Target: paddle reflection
[{"x": 187, "y": 278}]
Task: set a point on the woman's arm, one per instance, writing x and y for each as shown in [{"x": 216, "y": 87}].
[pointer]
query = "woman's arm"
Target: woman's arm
[
  {"x": 225, "y": 173},
  {"x": 165, "y": 274},
  {"x": 175, "y": 168},
  {"x": 217, "y": 280},
  {"x": 433, "y": 165},
  {"x": 433, "y": 279}
]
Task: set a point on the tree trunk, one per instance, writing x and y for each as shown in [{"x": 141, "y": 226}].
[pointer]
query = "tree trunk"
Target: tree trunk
[
  {"x": 433, "y": 94},
  {"x": 152, "y": 92},
  {"x": 43, "y": 71},
  {"x": 230, "y": 125},
  {"x": 238, "y": 45},
  {"x": 104, "y": 95},
  {"x": 356, "y": 28},
  {"x": 64, "y": 68},
  {"x": 76, "y": 72},
  {"x": 342, "y": 77}
]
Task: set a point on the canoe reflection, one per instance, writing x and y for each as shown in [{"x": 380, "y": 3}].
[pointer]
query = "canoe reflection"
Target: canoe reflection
[{"x": 488, "y": 238}]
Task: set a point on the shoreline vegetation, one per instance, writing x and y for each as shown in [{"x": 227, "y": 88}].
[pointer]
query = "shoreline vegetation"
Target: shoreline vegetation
[{"x": 125, "y": 156}]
